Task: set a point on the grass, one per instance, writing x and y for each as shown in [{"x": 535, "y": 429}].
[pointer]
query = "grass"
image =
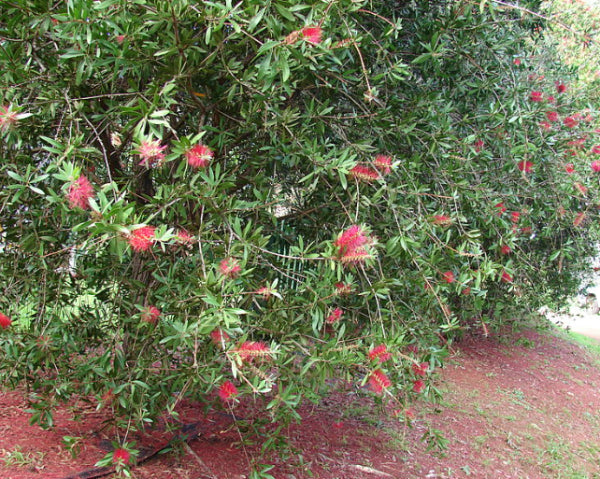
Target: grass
[
  {"x": 591, "y": 344},
  {"x": 17, "y": 458}
]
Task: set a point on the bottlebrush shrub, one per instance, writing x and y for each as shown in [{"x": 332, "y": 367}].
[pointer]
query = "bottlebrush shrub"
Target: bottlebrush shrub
[{"x": 272, "y": 192}]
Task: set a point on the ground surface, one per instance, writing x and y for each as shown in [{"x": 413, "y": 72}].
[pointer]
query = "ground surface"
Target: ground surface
[{"x": 526, "y": 406}]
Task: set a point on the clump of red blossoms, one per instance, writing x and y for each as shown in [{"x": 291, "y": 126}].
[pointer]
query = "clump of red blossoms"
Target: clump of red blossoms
[
  {"x": 379, "y": 381},
  {"x": 151, "y": 153},
  {"x": 199, "y": 156},
  {"x": 581, "y": 188},
  {"x": 506, "y": 278},
  {"x": 552, "y": 116},
  {"x": 517, "y": 61},
  {"x": 227, "y": 391},
  {"x": 596, "y": 149},
  {"x": 570, "y": 122},
  {"x": 342, "y": 289},
  {"x": 335, "y": 316},
  {"x": 265, "y": 292},
  {"x": 478, "y": 145},
  {"x": 150, "y": 314},
  {"x": 580, "y": 218},
  {"x": 312, "y": 34},
  {"x": 365, "y": 173},
  {"x": 501, "y": 208},
  {"x": 525, "y": 166},
  {"x": 505, "y": 249},
  {"x": 230, "y": 267},
  {"x": 420, "y": 369},
  {"x": 5, "y": 321},
  {"x": 536, "y": 96},
  {"x": 141, "y": 239},
  {"x": 80, "y": 192},
  {"x": 442, "y": 220},
  {"x": 184, "y": 237},
  {"x": 545, "y": 125},
  {"x": 9, "y": 117},
  {"x": 380, "y": 353},
  {"x": 595, "y": 165},
  {"x": 569, "y": 168},
  {"x": 121, "y": 456},
  {"x": 448, "y": 277},
  {"x": 219, "y": 337},
  {"x": 383, "y": 163},
  {"x": 250, "y": 350},
  {"x": 560, "y": 87},
  {"x": 352, "y": 245},
  {"x": 418, "y": 386},
  {"x": 514, "y": 216}
]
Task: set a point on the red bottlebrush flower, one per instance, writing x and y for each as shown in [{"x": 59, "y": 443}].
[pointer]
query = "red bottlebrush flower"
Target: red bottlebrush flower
[
  {"x": 466, "y": 291},
  {"x": 505, "y": 249},
  {"x": 442, "y": 220},
  {"x": 560, "y": 87},
  {"x": 352, "y": 245},
  {"x": 526, "y": 230},
  {"x": 121, "y": 456},
  {"x": 120, "y": 39},
  {"x": 580, "y": 218},
  {"x": 552, "y": 116},
  {"x": 536, "y": 96},
  {"x": 420, "y": 369},
  {"x": 545, "y": 125},
  {"x": 335, "y": 316},
  {"x": 581, "y": 188},
  {"x": 141, "y": 239},
  {"x": 151, "y": 153},
  {"x": 380, "y": 353},
  {"x": 265, "y": 292},
  {"x": 478, "y": 145},
  {"x": 570, "y": 122},
  {"x": 501, "y": 208},
  {"x": 595, "y": 166},
  {"x": 80, "y": 192},
  {"x": 5, "y": 321},
  {"x": 412, "y": 348},
  {"x": 150, "y": 314},
  {"x": 525, "y": 166},
  {"x": 596, "y": 149},
  {"x": 517, "y": 61},
  {"x": 379, "y": 381},
  {"x": 199, "y": 156},
  {"x": 418, "y": 386},
  {"x": 506, "y": 278},
  {"x": 230, "y": 267},
  {"x": 448, "y": 277},
  {"x": 515, "y": 215},
  {"x": 365, "y": 173},
  {"x": 8, "y": 118},
  {"x": 184, "y": 237},
  {"x": 383, "y": 163},
  {"x": 253, "y": 349},
  {"x": 227, "y": 391},
  {"x": 570, "y": 168},
  {"x": 551, "y": 99},
  {"x": 354, "y": 237},
  {"x": 312, "y": 34},
  {"x": 342, "y": 289},
  {"x": 219, "y": 337}
]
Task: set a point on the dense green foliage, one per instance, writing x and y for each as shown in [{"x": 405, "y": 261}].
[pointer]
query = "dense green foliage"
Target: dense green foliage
[{"x": 478, "y": 215}]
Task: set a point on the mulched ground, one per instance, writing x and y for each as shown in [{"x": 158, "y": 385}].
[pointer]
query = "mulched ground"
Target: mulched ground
[{"x": 520, "y": 406}]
